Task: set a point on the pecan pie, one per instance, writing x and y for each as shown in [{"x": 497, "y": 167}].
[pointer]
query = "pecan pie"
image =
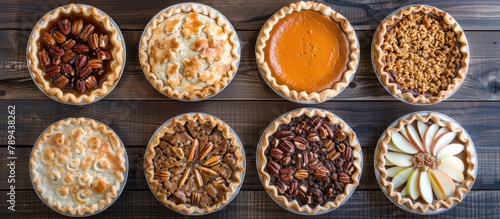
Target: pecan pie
[
  {"x": 189, "y": 51},
  {"x": 307, "y": 52},
  {"x": 420, "y": 54},
  {"x": 76, "y": 54},
  {"x": 309, "y": 161},
  {"x": 194, "y": 164},
  {"x": 425, "y": 163},
  {"x": 78, "y": 166}
]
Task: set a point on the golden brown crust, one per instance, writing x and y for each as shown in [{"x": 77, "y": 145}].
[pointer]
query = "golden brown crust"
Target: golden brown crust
[
  {"x": 302, "y": 95},
  {"x": 71, "y": 139},
  {"x": 377, "y": 54},
  {"x": 117, "y": 64},
  {"x": 461, "y": 190},
  {"x": 169, "y": 128},
  {"x": 199, "y": 90},
  {"x": 266, "y": 178}
]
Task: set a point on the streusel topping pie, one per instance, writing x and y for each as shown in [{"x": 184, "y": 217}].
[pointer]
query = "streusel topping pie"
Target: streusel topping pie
[
  {"x": 78, "y": 166},
  {"x": 76, "y": 54},
  {"x": 194, "y": 164},
  {"x": 420, "y": 54},
  {"x": 189, "y": 52}
]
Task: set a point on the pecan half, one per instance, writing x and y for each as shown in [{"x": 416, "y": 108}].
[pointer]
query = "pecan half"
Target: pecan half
[
  {"x": 344, "y": 178},
  {"x": 212, "y": 161},
  {"x": 313, "y": 137},
  {"x": 333, "y": 155},
  {"x": 104, "y": 55},
  {"x": 293, "y": 190},
  {"x": 184, "y": 177},
  {"x": 340, "y": 135},
  {"x": 276, "y": 153},
  {"x": 287, "y": 174},
  {"x": 94, "y": 41},
  {"x": 282, "y": 187},
  {"x": 87, "y": 30},
  {"x": 207, "y": 171},
  {"x": 314, "y": 164},
  {"x": 194, "y": 149},
  {"x": 84, "y": 72},
  {"x": 81, "y": 87},
  {"x": 91, "y": 83},
  {"x": 176, "y": 151},
  {"x": 348, "y": 153},
  {"x": 52, "y": 70},
  {"x": 329, "y": 145},
  {"x": 287, "y": 146},
  {"x": 316, "y": 122},
  {"x": 162, "y": 175},
  {"x": 285, "y": 160},
  {"x": 341, "y": 147},
  {"x": 68, "y": 56},
  {"x": 94, "y": 63},
  {"x": 301, "y": 174},
  {"x": 59, "y": 37},
  {"x": 321, "y": 172},
  {"x": 44, "y": 58},
  {"x": 206, "y": 149},
  {"x": 56, "y": 51},
  {"x": 285, "y": 134},
  {"x": 273, "y": 167},
  {"x": 68, "y": 44},
  {"x": 300, "y": 142},
  {"x": 67, "y": 70},
  {"x": 80, "y": 48},
  {"x": 195, "y": 198},
  {"x": 47, "y": 39},
  {"x": 211, "y": 190},
  {"x": 198, "y": 178},
  {"x": 61, "y": 81},
  {"x": 81, "y": 61},
  {"x": 64, "y": 26},
  {"x": 77, "y": 27}
]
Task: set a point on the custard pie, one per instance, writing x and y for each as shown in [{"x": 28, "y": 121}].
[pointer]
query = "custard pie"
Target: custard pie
[
  {"x": 420, "y": 54},
  {"x": 78, "y": 166},
  {"x": 309, "y": 161},
  {"x": 189, "y": 51},
  {"x": 426, "y": 163},
  {"x": 76, "y": 54},
  {"x": 307, "y": 52},
  {"x": 194, "y": 164}
]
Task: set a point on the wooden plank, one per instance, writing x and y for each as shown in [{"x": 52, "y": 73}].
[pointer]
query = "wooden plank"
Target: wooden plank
[
  {"x": 258, "y": 204},
  {"x": 482, "y": 82},
  {"x": 251, "y": 15},
  {"x": 488, "y": 160},
  {"x": 135, "y": 121}
]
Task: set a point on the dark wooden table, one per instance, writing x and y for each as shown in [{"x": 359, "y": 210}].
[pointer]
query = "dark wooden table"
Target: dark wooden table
[{"x": 135, "y": 109}]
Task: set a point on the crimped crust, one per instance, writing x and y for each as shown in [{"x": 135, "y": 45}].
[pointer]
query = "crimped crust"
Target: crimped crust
[
  {"x": 377, "y": 54},
  {"x": 169, "y": 128},
  {"x": 118, "y": 166},
  {"x": 302, "y": 95},
  {"x": 266, "y": 178},
  {"x": 116, "y": 65},
  {"x": 461, "y": 190},
  {"x": 206, "y": 90}
]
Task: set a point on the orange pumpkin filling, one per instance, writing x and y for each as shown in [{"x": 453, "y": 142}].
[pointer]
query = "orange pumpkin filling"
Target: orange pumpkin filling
[{"x": 307, "y": 51}]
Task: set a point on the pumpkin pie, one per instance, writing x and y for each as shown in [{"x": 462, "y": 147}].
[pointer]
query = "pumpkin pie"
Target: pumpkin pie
[
  {"x": 426, "y": 163},
  {"x": 76, "y": 54},
  {"x": 189, "y": 52},
  {"x": 309, "y": 161},
  {"x": 194, "y": 164},
  {"x": 420, "y": 54},
  {"x": 307, "y": 52},
  {"x": 78, "y": 166}
]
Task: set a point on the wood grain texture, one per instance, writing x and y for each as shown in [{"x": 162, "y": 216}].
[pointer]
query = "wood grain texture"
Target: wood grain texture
[
  {"x": 136, "y": 121},
  {"x": 258, "y": 204},
  {"x": 136, "y": 181},
  {"x": 251, "y": 15},
  {"x": 482, "y": 82}
]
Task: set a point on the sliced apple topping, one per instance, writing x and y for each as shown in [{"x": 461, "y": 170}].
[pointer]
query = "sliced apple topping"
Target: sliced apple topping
[{"x": 424, "y": 161}]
